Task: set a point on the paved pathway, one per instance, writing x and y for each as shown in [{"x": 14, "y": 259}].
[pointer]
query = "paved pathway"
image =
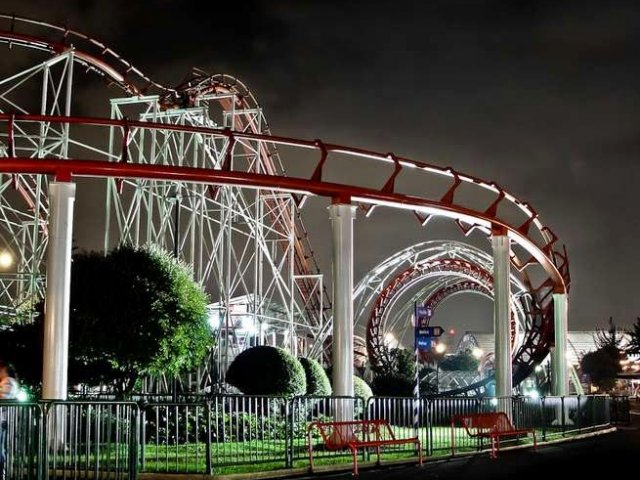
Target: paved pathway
[{"x": 617, "y": 452}]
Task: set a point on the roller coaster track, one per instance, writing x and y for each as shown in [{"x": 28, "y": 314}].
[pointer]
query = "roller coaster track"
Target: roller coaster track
[
  {"x": 425, "y": 189},
  {"x": 98, "y": 58}
]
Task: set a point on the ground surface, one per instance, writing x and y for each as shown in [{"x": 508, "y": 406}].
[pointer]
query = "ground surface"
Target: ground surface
[{"x": 617, "y": 453}]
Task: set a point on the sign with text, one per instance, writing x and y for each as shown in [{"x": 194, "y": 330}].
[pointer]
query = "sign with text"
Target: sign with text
[
  {"x": 430, "y": 331},
  {"x": 425, "y": 343}
]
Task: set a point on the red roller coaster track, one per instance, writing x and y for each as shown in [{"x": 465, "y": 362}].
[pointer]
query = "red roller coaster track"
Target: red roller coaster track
[{"x": 537, "y": 244}]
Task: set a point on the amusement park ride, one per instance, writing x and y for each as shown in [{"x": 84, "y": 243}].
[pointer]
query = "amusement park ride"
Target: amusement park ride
[{"x": 195, "y": 169}]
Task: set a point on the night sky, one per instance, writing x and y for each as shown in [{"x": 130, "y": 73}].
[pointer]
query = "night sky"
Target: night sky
[{"x": 542, "y": 97}]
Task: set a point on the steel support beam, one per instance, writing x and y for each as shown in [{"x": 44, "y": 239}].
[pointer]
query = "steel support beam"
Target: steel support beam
[
  {"x": 502, "y": 312},
  {"x": 559, "y": 353},
  {"x": 56, "y": 320},
  {"x": 342, "y": 216}
]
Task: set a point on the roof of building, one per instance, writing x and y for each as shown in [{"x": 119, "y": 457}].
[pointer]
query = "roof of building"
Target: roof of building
[{"x": 579, "y": 342}]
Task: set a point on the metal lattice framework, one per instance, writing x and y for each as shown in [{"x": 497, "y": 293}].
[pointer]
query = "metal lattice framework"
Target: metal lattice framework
[
  {"x": 247, "y": 243},
  {"x": 429, "y": 273},
  {"x": 196, "y": 169}
]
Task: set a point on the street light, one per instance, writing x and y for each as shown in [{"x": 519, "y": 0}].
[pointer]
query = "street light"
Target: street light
[{"x": 440, "y": 349}]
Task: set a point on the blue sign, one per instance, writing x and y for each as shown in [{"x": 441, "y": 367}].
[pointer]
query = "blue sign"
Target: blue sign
[
  {"x": 425, "y": 342},
  {"x": 422, "y": 311}
]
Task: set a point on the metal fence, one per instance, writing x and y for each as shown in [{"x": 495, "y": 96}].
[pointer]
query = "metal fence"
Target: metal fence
[{"x": 117, "y": 440}]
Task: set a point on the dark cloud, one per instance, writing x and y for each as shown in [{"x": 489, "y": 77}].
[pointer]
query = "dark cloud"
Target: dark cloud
[{"x": 540, "y": 96}]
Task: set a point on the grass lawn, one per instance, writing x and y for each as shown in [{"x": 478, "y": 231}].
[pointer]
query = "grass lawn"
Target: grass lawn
[{"x": 261, "y": 455}]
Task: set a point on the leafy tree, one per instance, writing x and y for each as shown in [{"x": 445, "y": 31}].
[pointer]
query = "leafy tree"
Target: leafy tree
[
  {"x": 634, "y": 341},
  {"x": 265, "y": 370},
  {"x": 602, "y": 366},
  {"x": 397, "y": 361},
  {"x": 134, "y": 311},
  {"x": 318, "y": 383},
  {"x": 464, "y": 361}
]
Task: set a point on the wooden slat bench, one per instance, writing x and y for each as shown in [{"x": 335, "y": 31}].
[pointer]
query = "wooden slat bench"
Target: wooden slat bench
[
  {"x": 357, "y": 434},
  {"x": 488, "y": 425}
]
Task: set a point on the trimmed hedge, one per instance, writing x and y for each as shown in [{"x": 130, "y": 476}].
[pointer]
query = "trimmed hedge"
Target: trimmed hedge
[
  {"x": 361, "y": 389},
  {"x": 265, "y": 370},
  {"x": 318, "y": 383}
]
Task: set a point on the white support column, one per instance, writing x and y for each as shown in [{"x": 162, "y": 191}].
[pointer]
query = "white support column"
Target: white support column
[
  {"x": 56, "y": 321},
  {"x": 559, "y": 353},
  {"x": 342, "y": 216},
  {"x": 502, "y": 312}
]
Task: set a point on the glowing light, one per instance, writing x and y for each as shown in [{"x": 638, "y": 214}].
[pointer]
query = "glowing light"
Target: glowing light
[
  {"x": 534, "y": 394},
  {"x": 452, "y": 331},
  {"x": 441, "y": 348},
  {"x": 390, "y": 340},
  {"x": 6, "y": 259},
  {"x": 248, "y": 325},
  {"x": 494, "y": 401},
  {"x": 477, "y": 353},
  {"x": 22, "y": 396},
  {"x": 538, "y": 368}
]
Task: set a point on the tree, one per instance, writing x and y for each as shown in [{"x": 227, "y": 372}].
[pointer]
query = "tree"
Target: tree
[
  {"x": 265, "y": 370},
  {"x": 134, "y": 311},
  {"x": 464, "y": 361},
  {"x": 318, "y": 383},
  {"x": 634, "y": 341},
  {"x": 602, "y": 366},
  {"x": 610, "y": 337}
]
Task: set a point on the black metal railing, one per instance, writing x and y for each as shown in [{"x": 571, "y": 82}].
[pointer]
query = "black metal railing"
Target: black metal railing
[{"x": 231, "y": 433}]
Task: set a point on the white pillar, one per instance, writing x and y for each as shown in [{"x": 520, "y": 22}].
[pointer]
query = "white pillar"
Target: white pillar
[
  {"x": 56, "y": 319},
  {"x": 342, "y": 216},
  {"x": 502, "y": 313},
  {"x": 559, "y": 353}
]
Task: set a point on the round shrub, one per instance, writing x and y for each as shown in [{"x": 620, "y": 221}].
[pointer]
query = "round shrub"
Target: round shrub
[
  {"x": 267, "y": 370},
  {"x": 318, "y": 383},
  {"x": 361, "y": 389}
]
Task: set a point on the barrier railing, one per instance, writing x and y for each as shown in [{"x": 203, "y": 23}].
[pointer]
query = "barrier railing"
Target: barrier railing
[
  {"x": 175, "y": 437},
  {"x": 116, "y": 440},
  {"x": 21, "y": 435},
  {"x": 305, "y": 410},
  {"x": 249, "y": 430},
  {"x": 90, "y": 439}
]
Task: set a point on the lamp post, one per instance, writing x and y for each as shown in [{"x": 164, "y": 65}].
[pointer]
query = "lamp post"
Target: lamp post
[{"x": 440, "y": 349}]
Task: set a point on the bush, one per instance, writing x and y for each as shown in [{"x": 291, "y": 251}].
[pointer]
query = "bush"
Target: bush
[
  {"x": 318, "y": 383},
  {"x": 460, "y": 361},
  {"x": 267, "y": 370},
  {"x": 361, "y": 389}
]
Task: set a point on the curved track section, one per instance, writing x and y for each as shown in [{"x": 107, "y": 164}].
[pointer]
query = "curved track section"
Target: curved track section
[
  {"x": 235, "y": 155},
  {"x": 189, "y": 104},
  {"x": 429, "y": 273}
]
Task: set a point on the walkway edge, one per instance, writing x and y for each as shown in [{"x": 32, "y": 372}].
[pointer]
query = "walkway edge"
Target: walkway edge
[{"x": 346, "y": 467}]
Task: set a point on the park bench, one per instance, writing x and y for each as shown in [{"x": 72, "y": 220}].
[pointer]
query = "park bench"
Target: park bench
[
  {"x": 357, "y": 434},
  {"x": 488, "y": 425}
]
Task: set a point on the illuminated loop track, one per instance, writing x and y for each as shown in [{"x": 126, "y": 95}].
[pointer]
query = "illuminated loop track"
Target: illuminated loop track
[
  {"x": 429, "y": 273},
  {"x": 168, "y": 149}
]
